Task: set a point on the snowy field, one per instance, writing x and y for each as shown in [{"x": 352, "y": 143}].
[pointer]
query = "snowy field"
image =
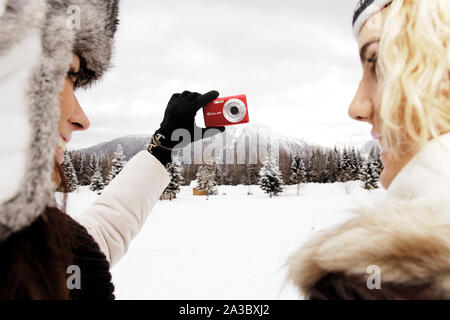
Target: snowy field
[{"x": 232, "y": 246}]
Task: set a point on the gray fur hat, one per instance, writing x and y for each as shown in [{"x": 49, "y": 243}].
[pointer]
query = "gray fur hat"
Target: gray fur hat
[{"x": 37, "y": 39}]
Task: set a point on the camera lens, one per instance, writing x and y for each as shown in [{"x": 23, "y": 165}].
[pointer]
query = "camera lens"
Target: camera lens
[{"x": 234, "y": 110}]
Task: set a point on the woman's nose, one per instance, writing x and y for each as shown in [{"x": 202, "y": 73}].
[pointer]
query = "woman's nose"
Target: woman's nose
[
  {"x": 79, "y": 120},
  {"x": 361, "y": 108}
]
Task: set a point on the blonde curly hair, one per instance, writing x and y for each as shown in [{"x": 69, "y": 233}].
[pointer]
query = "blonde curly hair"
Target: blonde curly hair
[{"x": 414, "y": 60}]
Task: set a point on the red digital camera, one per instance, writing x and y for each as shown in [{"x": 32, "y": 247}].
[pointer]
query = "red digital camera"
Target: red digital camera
[{"x": 226, "y": 111}]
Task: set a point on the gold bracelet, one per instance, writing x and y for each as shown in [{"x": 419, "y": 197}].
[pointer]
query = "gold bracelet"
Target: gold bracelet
[
  {"x": 156, "y": 142},
  {"x": 150, "y": 147}
]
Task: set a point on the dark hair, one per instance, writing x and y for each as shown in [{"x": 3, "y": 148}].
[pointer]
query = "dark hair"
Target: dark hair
[
  {"x": 84, "y": 74},
  {"x": 34, "y": 261}
]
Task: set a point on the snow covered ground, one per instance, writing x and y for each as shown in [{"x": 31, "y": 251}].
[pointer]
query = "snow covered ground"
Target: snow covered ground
[{"x": 232, "y": 246}]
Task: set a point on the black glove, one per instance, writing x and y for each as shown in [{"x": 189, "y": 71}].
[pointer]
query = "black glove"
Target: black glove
[{"x": 180, "y": 114}]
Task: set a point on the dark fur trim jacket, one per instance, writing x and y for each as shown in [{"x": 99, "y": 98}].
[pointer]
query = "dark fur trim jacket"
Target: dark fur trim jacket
[
  {"x": 96, "y": 279},
  {"x": 402, "y": 238}
]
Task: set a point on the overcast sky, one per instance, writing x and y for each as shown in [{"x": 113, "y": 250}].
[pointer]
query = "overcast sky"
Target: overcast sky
[{"x": 296, "y": 60}]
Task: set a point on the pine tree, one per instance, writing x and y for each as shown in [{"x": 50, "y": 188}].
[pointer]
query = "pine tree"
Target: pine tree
[
  {"x": 376, "y": 158},
  {"x": 80, "y": 171},
  {"x": 83, "y": 171},
  {"x": 206, "y": 179},
  {"x": 337, "y": 159},
  {"x": 320, "y": 165},
  {"x": 105, "y": 168},
  {"x": 176, "y": 179},
  {"x": 92, "y": 167},
  {"x": 308, "y": 168},
  {"x": 69, "y": 172},
  {"x": 218, "y": 175},
  {"x": 97, "y": 183},
  {"x": 252, "y": 174},
  {"x": 270, "y": 179},
  {"x": 369, "y": 175},
  {"x": 358, "y": 162},
  {"x": 225, "y": 175},
  {"x": 234, "y": 175},
  {"x": 298, "y": 172},
  {"x": 117, "y": 162},
  {"x": 330, "y": 171},
  {"x": 348, "y": 166}
]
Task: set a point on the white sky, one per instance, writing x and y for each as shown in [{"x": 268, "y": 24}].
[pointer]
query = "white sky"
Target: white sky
[{"x": 296, "y": 60}]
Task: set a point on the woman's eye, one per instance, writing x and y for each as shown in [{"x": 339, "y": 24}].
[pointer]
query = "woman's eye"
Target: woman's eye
[{"x": 373, "y": 63}]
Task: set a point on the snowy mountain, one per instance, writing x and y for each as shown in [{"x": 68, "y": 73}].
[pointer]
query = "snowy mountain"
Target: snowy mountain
[
  {"x": 240, "y": 140},
  {"x": 131, "y": 145},
  {"x": 243, "y": 139},
  {"x": 245, "y": 143}
]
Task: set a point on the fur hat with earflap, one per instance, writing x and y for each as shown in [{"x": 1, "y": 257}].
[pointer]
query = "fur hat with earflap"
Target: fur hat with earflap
[{"x": 37, "y": 40}]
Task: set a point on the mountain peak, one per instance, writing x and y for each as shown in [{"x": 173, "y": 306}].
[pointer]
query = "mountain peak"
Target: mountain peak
[{"x": 239, "y": 135}]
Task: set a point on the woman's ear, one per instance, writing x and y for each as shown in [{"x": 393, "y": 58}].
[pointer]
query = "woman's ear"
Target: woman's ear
[{"x": 76, "y": 63}]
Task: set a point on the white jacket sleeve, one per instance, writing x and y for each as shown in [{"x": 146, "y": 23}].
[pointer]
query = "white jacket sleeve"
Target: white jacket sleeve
[{"x": 118, "y": 215}]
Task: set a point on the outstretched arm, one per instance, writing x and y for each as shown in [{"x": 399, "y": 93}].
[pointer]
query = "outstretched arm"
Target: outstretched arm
[{"x": 119, "y": 213}]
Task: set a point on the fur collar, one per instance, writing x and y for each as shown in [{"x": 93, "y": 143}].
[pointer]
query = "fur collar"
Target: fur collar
[{"x": 405, "y": 233}]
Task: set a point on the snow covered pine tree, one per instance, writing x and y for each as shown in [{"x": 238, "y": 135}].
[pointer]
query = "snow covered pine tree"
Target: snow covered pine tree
[
  {"x": 78, "y": 166},
  {"x": 369, "y": 174},
  {"x": 91, "y": 167},
  {"x": 117, "y": 163},
  {"x": 97, "y": 183},
  {"x": 351, "y": 165},
  {"x": 176, "y": 179},
  {"x": 358, "y": 162},
  {"x": 206, "y": 179},
  {"x": 298, "y": 172},
  {"x": 270, "y": 179},
  {"x": 69, "y": 172},
  {"x": 376, "y": 158}
]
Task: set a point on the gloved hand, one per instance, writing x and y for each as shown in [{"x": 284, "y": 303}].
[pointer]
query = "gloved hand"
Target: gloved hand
[{"x": 180, "y": 114}]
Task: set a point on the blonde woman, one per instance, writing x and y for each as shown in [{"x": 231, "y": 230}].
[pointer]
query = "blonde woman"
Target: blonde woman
[{"x": 397, "y": 247}]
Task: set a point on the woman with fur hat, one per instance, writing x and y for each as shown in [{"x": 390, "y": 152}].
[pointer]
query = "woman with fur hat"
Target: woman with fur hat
[
  {"x": 397, "y": 247},
  {"x": 44, "y": 58}
]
